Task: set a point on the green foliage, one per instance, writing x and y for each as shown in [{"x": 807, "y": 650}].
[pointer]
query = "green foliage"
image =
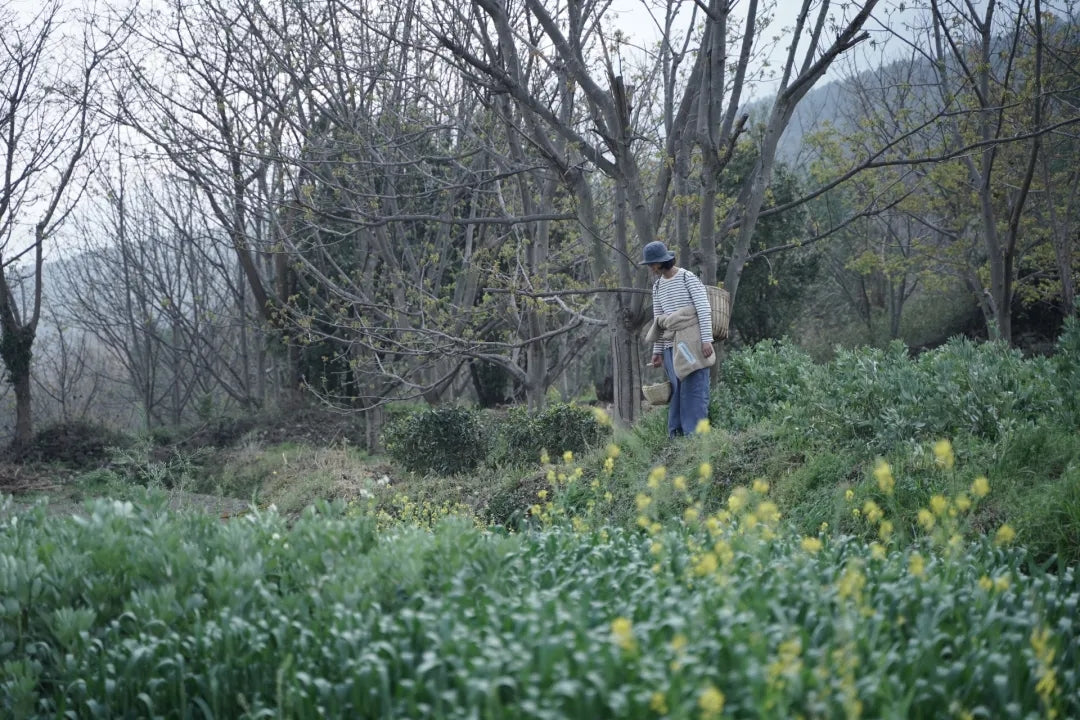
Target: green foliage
[
  {"x": 1067, "y": 363},
  {"x": 140, "y": 464},
  {"x": 763, "y": 377},
  {"x": 522, "y": 435},
  {"x": 883, "y": 398},
  {"x": 77, "y": 443},
  {"x": 444, "y": 440},
  {"x": 132, "y": 612},
  {"x": 771, "y": 287}
]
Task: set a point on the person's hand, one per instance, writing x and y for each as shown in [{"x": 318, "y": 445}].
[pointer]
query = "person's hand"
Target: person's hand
[
  {"x": 657, "y": 361},
  {"x": 706, "y": 349}
]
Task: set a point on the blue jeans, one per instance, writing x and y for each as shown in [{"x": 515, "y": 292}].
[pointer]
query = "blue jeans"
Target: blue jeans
[{"x": 689, "y": 398}]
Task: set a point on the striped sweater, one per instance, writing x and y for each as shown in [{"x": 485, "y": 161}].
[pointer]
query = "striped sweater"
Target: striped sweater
[{"x": 682, "y": 289}]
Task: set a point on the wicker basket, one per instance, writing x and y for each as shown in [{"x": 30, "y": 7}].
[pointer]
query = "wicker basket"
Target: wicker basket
[
  {"x": 720, "y": 304},
  {"x": 658, "y": 394}
]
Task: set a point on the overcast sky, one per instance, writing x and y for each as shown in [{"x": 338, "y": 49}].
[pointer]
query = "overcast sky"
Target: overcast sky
[{"x": 632, "y": 17}]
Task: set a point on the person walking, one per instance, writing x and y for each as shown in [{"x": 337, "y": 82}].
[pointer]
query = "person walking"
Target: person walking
[{"x": 682, "y": 338}]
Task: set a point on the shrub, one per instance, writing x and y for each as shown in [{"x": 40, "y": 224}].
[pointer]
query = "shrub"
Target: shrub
[
  {"x": 443, "y": 440},
  {"x": 882, "y": 398},
  {"x": 77, "y": 443},
  {"x": 523, "y": 435},
  {"x": 1067, "y": 365}
]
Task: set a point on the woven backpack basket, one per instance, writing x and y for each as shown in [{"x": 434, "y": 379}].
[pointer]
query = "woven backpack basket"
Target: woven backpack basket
[
  {"x": 657, "y": 394},
  {"x": 720, "y": 304}
]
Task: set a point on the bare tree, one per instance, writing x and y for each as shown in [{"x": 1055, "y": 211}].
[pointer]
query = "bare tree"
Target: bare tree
[
  {"x": 151, "y": 283},
  {"x": 491, "y": 41},
  {"x": 65, "y": 374},
  {"x": 48, "y": 124}
]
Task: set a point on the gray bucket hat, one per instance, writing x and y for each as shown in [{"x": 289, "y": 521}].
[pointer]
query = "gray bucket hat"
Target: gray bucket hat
[{"x": 655, "y": 252}]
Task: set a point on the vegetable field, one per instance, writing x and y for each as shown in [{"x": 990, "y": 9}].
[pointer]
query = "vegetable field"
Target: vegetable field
[{"x": 135, "y": 612}]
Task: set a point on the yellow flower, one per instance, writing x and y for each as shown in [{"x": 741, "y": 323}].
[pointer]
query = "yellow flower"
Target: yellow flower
[
  {"x": 761, "y": 487},
  {"x": 1004, "y": 535},
  {"x": 986, "y": 583},
  {"x": 767, "y": 512},
  {"x": 1047, "y": 684},
  {"x": 542, "y": 494},
  {"x": 703, "y": 427},
  {"x": 551, "y": 476},
  {"x": 1001, "y": 583},
  {"x": 711, "y": 702},
  {"x": 706, "y": 564},
  {"x": 622, "y": 632},
  {"x": 916, "y": 565},
  {"x": 601, "y": 415},
  {"x": 656, "y": 548},
  {"x": 656, "y": 475},
  {"x": 723, "y": 552},
  {"x": 613, "y": 450},
  {"x": 690, "y": 516},
  {"x": 652, "y": 482},
  {"x": 608, "y": 497},
  {"x": 544, "y": 457},
  {"x": 1040, "y": 643},
  {"x": 655, "y": 528},
  {"x": 658, "y": 703},
  {"x": 678, "y": 643},
  {"x": 568, "y": 457},
  {"x": 642, "y": 521},
  {"x": 811, "y": 545},
  {"x": 679, "y": 482},
  {"x": 642, "y": 500},
  {"x": 980, "y": 488},
  {"x": 883, "y": 473},
  {"x": 872, "y": 511},
  {"x": 851, "y": 583},
  {"x": 877, "y": 551},
  {"x": 938, "y": 504},
  {"x": 885, "y": 530},
  {"x": 849, "y": 495},
  {"x": 824, "y": 528},
  {"x": 943, "y": 454},
  {"x": 738, "y": 499},
  {"x": 963, "y": 502},
  {"x": 705, "y": 471},
  {"x": 926, "y": 518}
]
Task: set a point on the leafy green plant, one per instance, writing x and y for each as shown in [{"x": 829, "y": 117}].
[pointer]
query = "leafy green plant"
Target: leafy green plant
[
  {"x": 883, "y": 398},
  {"x": 131, "y": 611},
  {"x": 139, "y": 464},
  {"x": 1067, "y": 363},
  {"x": 522, "y": 435},
  {"x": 444, "y": 440}
]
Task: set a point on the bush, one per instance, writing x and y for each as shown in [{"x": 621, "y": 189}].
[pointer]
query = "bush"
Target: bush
[
  {"x": 1067, "y": 365},
  {"x": 78, "y": 443},
  {"x": 523, "y": 435},
  {"x": 443, "y": 440},
  {"x": 884, "y": 399}
]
